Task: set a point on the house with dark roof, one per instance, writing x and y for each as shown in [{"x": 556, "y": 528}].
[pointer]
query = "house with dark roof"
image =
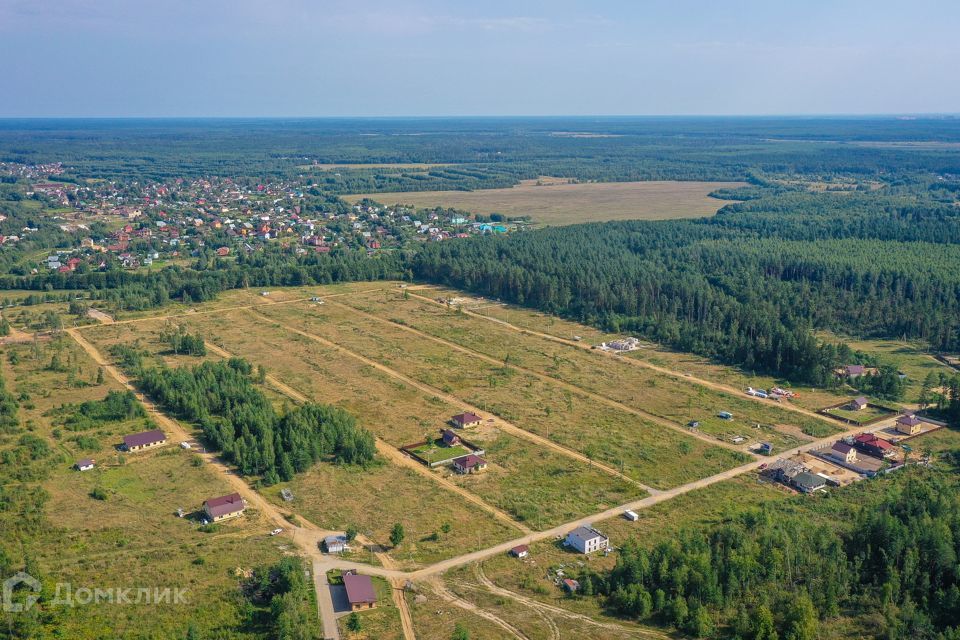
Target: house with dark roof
[
  {"x": 360, "y": 591},
  {"x": 144, "y": 440},
  {"x": 858, "y": 404},
  {"x": 806, "y": 482},
  {"x": 874, "y": 446},
  {"x": 464, "y": 420},
  {"x": 229, "y": 506},
  {"x": 469, "y": 464},
  {"x": 520, "y": 551},
  {"x": 450, "y": 438},
  {"x": 84, "y": 465},
  {"x": 843, "y": 451},
  {"x": 909, "y": 425}
]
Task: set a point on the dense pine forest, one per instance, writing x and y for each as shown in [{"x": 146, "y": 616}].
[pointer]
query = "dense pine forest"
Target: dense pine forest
[
  {"x": 237, "y": 419},
  {"x": 890, "y": 564},
  {"x": 746, "y": 287}
]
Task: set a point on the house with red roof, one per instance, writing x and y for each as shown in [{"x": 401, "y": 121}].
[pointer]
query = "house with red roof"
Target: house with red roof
[
  {"x": 464, "y": 420},
  {"x": 469, "y": 464},
  {"x": 229, "y": 506},
  {"x": 872, "y": 445},
  {"x": 360, "y": 591}
]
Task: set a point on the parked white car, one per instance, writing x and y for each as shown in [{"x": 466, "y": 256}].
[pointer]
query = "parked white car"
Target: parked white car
[
  {"x": 276, "y": 532},
  {"x": 184, "y": 445}
]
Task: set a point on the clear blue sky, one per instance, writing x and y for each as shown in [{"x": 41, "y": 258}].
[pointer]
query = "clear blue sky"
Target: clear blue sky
[{"x": 482, "y": 57}]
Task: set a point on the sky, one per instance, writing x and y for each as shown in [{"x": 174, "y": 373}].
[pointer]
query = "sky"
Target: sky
[{"x": 303, "y": 58}]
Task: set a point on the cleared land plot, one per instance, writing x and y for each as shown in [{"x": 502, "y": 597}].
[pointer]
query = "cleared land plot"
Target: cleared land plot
[
  {"x": 540, "y": 622},
  {"x": 560, "y": 204},
  {"x": 435, "y": 617},
  {"x": 538, "y": 486},
  {"x": 652, "y": 392},
  {"x": 374, "y": 499},
  {"x": 684, "y": 363},
  {"x": 646, "y": 451},
  {"x": 436, "y": 451},
  {"x": 864, "y": 416},
  {"x": 401, "y": 414}
]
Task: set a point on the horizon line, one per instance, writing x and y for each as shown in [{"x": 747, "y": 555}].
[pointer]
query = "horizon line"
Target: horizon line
[{"x": 918, "y": 115}]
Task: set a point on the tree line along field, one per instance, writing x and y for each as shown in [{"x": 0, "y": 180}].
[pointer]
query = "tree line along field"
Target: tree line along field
[
  {"x": 910, "y": 357},
  {"x": 550, "y": 202},
  {"x": 669, "y": 397}
]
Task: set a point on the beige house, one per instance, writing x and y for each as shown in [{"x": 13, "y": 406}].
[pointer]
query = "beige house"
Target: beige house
[
  {"x": 144, "y": 440},
  {"x": 909, "y": 425},
  {"x": 224, "y": 507},
  {"x": 844, "y": 451}
]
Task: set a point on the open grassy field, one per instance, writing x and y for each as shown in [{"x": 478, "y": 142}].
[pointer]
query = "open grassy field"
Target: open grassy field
[
  {"x": 398, "y": 413},
  {"x": 538, "y": 486},
  {"x": 434, "y": 617},
  {"x": 374, "y": 499},
  {"x": 674, "y": 399},
  {"x": 560, "y": 204},
  {"x": 645, "y": 450},
  {"x": 863, "y": 416},
  {"x": 684, "y": 363},
  {"x": 132, "y": 538}
]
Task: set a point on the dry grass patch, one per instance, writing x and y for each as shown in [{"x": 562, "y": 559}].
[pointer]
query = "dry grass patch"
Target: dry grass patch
[
  {"x": 374, "y": 499},
  {"x": 645, "y": 450},
  {"x": 646, "y": 390},
  {"x": 401, "y": 415}
]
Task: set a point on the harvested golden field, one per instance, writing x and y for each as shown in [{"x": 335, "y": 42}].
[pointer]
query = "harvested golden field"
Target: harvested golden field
[{"x": 560, "y": 204}]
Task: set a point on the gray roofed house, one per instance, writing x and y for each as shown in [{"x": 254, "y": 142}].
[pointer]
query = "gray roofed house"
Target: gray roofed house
[
  {"x": 808, "y": 483},
  {"x": 586, "y": 539},
  {"x": 335, "y": 544}
]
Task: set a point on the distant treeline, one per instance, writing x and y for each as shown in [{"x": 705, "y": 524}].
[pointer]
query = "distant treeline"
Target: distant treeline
[
  {"x": 747, "y": 286},
  {"x": 129, "y": 290}
]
